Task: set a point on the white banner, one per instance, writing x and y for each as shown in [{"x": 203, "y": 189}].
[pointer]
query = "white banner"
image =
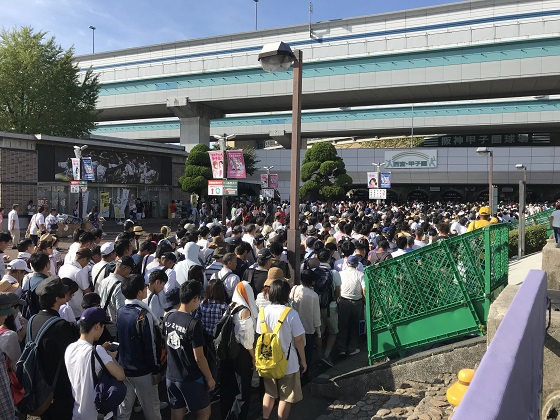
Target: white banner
[
  {"x": 377, "y": 194},
  {"x": 411, "y": 159}
]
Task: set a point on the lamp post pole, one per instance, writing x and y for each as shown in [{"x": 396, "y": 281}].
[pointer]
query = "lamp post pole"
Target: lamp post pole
[
  {"x": 294, "y": 236},
  {"x": 522, "y": 201},
  {"x": 222, "y": 140},
  {"x": 256, "y": 13},
  {"x": 93, "y": 28},
  {"x": 490, "y": 182}
]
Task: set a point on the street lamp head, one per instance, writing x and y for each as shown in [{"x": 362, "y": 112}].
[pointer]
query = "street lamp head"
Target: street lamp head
[
  {"x": 520, "y": 166},
  {"x": 93, "y": 28},
  {"x": 275, "y": 57},
  {"x": 482, "y": 151}
]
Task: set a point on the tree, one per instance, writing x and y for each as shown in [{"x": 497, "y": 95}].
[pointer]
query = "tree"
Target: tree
[
  {"x": 198, "y": 169},
  {"x": 323, "y": 173},
  {"x": 41, "y": 89}
]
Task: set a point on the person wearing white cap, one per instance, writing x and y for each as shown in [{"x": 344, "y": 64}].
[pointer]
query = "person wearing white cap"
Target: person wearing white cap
[
  {"x": 12, "y": 280},
  {"x": 98, "y": 272}
]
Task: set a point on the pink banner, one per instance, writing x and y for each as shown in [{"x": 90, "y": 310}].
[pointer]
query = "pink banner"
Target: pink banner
[
  {"x": 236, "y": 164},
  {"x": 217, "y": 163},
  {"x": 273, "y": 181},
  {"x": 264, "y": 181}
]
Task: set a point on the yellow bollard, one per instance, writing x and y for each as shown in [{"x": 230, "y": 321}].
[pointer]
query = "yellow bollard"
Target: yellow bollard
[{"x": 456, "y": 391}]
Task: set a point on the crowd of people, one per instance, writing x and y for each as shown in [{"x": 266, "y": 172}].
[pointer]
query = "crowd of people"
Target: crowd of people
[{"x": 148, "y": 306}]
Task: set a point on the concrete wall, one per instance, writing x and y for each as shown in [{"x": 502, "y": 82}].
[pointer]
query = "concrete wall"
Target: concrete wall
[{"x": 551, "y": 264}]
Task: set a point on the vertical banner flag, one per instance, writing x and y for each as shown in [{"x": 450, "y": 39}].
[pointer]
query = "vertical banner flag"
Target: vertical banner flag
[
  {"x": 273, "y": 181},
  {"x": 76, "y": 169},
  {"x": 88, "y": 169},
  {"x": 104, "y": 205},
  {"x": 217, "y": 163},
  {"x": 264, "y": 181},
  {"x": 236, "y": 164},
  {"x": 385, "y": 181},
  {"x": 372, "y": 181}
]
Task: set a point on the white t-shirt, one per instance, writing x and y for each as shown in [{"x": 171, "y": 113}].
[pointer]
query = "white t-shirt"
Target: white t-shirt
[
  {"x": 78, "y": 362},
  {"x": 67, "y": 313},
  {"x": 71, "y": 255},
  {"x": 35, "y": 224},
  {"x": 556, "y": 220},
  {"x": 13, "y": 216},
  {"x": 80, "y": 275},
  {"x": 292, "y": 327}
]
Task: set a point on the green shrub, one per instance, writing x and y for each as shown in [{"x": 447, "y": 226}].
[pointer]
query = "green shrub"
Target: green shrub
[{"x": 535, "y": 239}]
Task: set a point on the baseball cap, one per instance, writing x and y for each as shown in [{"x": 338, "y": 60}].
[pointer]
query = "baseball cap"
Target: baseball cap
[
  {"x": 6, "y": 307},
  {"x": 127, "y": 262},
  {"x": 107, "y": 248},
  {"x": 18, "y": 265},
  {"x": 233, "y": 241},
  {"x": 353, "y": 260},
  {"x": 52, "y": 285},
  {"x": 264, "y": 253},
  {"x": 95, "y": 315},
  {"x": 484, "y": 211}
]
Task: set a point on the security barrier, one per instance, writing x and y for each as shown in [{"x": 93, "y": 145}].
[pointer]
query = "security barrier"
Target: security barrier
[
  {"x": 439, "y": 292},
  {"x": 541, "y": 218}
]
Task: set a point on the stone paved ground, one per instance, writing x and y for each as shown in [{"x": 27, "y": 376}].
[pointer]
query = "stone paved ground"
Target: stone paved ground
[{"x": 411, "y": 401}]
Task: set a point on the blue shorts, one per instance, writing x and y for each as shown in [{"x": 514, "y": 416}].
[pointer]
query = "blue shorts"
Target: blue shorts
[{"x": 192, "y": 395}]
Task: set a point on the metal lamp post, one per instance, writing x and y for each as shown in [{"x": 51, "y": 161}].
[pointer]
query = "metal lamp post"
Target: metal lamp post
[
  {"x": 93, "y": 28},
  {"x": 78, "y": 151},
  {"x": 267, "y": 169},
  {"x": 378, "y": 170},
  {"x": 280, "y": 57},
  {"x": 222, "y": 140},
  {"x": 522, "y": 201},
  {"x": 256, "y": 13},
  {"x": 485, "y": 151}
]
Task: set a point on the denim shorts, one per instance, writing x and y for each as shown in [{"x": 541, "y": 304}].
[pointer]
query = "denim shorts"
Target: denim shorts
[{"x": 192, "y": 395}]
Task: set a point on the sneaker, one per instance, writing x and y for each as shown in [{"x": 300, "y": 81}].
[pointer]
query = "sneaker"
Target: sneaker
[
  {"x": 352, "y": 353},
  {"x": 327, "y": 361},
  {"x": 163, "y": 405}
]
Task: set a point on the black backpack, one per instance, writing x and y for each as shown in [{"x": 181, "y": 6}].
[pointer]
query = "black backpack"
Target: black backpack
[
  {"x": 39, "y": 393},
  {"x": 225, "y": 343},
  {"x": 30, "y": 298},
  {"x": 324, "y": 286}
]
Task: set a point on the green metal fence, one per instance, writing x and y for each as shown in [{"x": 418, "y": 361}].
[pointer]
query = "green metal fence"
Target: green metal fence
[
  {"x": 438, "y": 292},
  {"x": 541, "y": 218}
]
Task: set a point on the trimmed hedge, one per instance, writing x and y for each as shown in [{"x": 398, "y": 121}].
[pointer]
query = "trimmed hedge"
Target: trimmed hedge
[{"x": 535, "y": 239}]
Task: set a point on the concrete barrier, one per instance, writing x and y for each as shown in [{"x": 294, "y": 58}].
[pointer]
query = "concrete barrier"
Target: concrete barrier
[
  {"x": 508, "y": 382},
  {"x": 551, "y": 264}
]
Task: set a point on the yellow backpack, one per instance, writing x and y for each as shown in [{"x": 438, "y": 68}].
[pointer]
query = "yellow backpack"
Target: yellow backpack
[{"x": 269, "y": 357}]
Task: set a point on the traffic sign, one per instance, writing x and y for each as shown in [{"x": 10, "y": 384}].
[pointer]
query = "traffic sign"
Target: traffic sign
[
  {"x": 222, "y": 187},
  {"x": 377, "y": 194},
  {"x": 267, "y": 192}
]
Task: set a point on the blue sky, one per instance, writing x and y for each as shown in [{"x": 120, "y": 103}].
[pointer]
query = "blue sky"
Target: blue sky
[{"x": 126, "y": 23}]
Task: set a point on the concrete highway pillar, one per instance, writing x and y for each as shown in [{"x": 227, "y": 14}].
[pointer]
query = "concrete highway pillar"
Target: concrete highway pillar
[
  {"x": 194, "y": 121},
  {"x": 284, "y": 139}
]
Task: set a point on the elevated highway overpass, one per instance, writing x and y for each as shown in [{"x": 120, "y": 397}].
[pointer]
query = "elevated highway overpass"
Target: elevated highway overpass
[
  {"x": 469, "y": 50},
  {"x": 527, "y": 115}
]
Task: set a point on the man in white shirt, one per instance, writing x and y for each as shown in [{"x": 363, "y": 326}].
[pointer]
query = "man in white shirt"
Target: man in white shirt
[
  {"x": 227, "y": 275},
  {"x": 78, "y": 272},
  {"x": 77, "y": 358},
  {"x": 350, "y": 306},
  {"x": 51, "y": 222},
  {"x": 98, "y": 270},
  {"x": 13, "y": 225},
  {"x": 37, "y": 224},
  {"x": 555, "y": 224}
]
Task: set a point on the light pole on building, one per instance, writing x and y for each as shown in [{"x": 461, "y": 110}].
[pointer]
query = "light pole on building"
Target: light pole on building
[
  {"x": 280, "y": 57},
  {"x": 93, "y": 28},
  {"x": 222, "y": 140},
  {"x": 78, "y": 151},
  {"x": 256, "y": 13},
  {"x": 481, "y": 151},
  {"x": 522, "y": 201}
]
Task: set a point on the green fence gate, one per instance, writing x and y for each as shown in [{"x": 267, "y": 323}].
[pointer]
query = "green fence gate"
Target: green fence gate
[{"x": 438, "y": 292}]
